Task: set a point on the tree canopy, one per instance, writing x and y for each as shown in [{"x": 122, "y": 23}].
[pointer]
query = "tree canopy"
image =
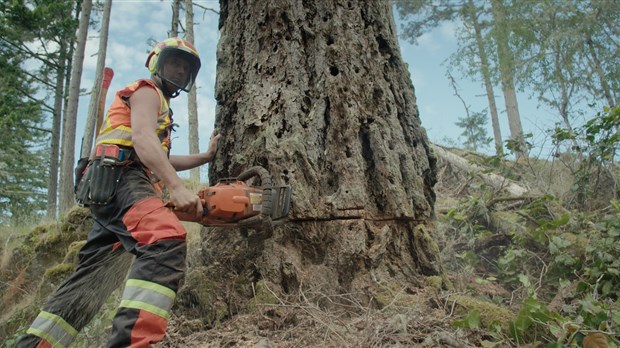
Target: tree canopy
[
  {"x": 22, "y": 157},
  {"x": 562, "y": 53},
  {"x": 36, "y": 40}
]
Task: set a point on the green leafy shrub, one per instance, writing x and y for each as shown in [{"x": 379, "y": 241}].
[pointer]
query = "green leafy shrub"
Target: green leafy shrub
[
  {"x": 559, "y": 249},
  {"x": 593, "y": 148}
]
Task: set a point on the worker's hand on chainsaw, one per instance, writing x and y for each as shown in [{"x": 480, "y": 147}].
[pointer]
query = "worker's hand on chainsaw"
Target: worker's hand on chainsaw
[{"x": 184, "y": 200}]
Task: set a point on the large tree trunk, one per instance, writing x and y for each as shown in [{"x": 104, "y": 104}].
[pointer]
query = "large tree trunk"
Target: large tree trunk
[
  {"x": 66, "y": 200},
  {"x": 317, "y": 93}
]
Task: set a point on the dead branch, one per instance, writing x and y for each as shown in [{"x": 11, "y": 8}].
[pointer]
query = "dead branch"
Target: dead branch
[{"x": 496, "y": 200}]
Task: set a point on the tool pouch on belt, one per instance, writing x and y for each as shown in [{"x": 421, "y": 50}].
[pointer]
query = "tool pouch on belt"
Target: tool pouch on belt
[
  {"x": 82, "y": 182},
  {"x": 98, "y": 185}
]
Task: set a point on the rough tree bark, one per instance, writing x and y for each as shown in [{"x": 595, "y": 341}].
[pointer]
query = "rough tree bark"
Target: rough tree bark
[{"x": 317, "y": 93}]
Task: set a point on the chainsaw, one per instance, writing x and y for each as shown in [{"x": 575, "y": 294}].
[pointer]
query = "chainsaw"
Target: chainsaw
[{"x": 233, "y": 202}]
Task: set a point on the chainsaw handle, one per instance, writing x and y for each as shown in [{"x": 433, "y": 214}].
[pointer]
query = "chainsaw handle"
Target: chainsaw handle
[
  {"x": 183, "y": 216},
  {"x": 265, "y": 183},
  {"x": 261, "y": 173},
  {"x": 267, "y": 186}
]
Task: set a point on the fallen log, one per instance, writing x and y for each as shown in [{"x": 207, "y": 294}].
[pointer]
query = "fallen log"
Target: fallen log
[{"x": 496, "y": 181}]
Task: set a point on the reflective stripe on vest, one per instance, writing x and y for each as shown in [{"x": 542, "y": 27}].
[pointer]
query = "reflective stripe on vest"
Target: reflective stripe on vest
[
  {"x": 116, "y": 128},
  {"x": 53, "y": 329},
  {"x": 148, "y": 296},
  {"x": 120, "y": 135}
]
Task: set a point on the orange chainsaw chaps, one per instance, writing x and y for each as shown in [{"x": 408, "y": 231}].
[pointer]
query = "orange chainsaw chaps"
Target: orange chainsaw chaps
[{"x": 230, "y": 201}]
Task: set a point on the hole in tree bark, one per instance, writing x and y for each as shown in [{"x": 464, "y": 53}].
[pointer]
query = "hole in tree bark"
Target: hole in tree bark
[
  {"x": 330, "y": 40},
  {"x": 284, "y": 176},
  {"x": 334, "y": 71},
  {"x": 366, "y": 148},
  {"x": 377, "y": 93},
  {"x": 384, "y": 46},
  {"x": 327, "y": 115},
  {"x": 252, "y": 130},
  {"x": 282, "y": 129},
  {"x": 368, "y": 155},
  {"x": 307, "y": 103}
]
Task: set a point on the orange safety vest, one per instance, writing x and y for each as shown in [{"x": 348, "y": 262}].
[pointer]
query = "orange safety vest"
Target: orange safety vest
[{"x": 116, "y": 128}]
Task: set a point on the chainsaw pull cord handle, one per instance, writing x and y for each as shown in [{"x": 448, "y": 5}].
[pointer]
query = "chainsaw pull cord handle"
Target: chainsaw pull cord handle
[{"x": 266, "y": 186}]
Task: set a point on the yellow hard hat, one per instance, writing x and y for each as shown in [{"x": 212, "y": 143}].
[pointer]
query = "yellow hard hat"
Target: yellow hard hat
[{"x": 174, "y": 48}]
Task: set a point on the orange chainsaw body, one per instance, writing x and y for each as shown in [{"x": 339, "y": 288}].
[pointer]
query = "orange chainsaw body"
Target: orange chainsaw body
[
  {"x": 230, "y": 201},
  {"x": 234, "y": 203}
]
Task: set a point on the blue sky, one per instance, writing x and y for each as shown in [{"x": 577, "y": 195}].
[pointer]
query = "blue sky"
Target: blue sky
[
  {"x": 133, "y": 22},
  {"x": 440, "y": 108}
]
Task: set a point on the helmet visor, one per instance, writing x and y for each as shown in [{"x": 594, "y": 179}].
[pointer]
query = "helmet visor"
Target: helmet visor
[{"x": 178, "y": 68}]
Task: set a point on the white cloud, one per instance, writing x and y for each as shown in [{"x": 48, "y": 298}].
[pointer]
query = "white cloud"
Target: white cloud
[
  {"x": 436, "y": 40},
  {"x": 428, "y": 42},
  {"x": 449, "y": 31}
]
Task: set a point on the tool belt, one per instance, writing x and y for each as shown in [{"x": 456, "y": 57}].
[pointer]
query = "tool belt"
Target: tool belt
[{"x": 97, "y": 178}]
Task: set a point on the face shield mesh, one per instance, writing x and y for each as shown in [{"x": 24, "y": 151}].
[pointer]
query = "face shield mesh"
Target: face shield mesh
[{"x": 178, "y": 67}]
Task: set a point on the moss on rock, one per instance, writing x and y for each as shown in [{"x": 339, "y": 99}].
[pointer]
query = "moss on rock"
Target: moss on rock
[
  {"x": 262, "y": 296},
  {"x": 490, "y": 313},
  {"x": 396, "y": 296},
  {"x": 59, "y": 272},
  {"x": 436, "y": 282},
  {"x": 37, "y": 266},
  {"x": 198, "y": 297},
  {"x": 73, "y": 252}
]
